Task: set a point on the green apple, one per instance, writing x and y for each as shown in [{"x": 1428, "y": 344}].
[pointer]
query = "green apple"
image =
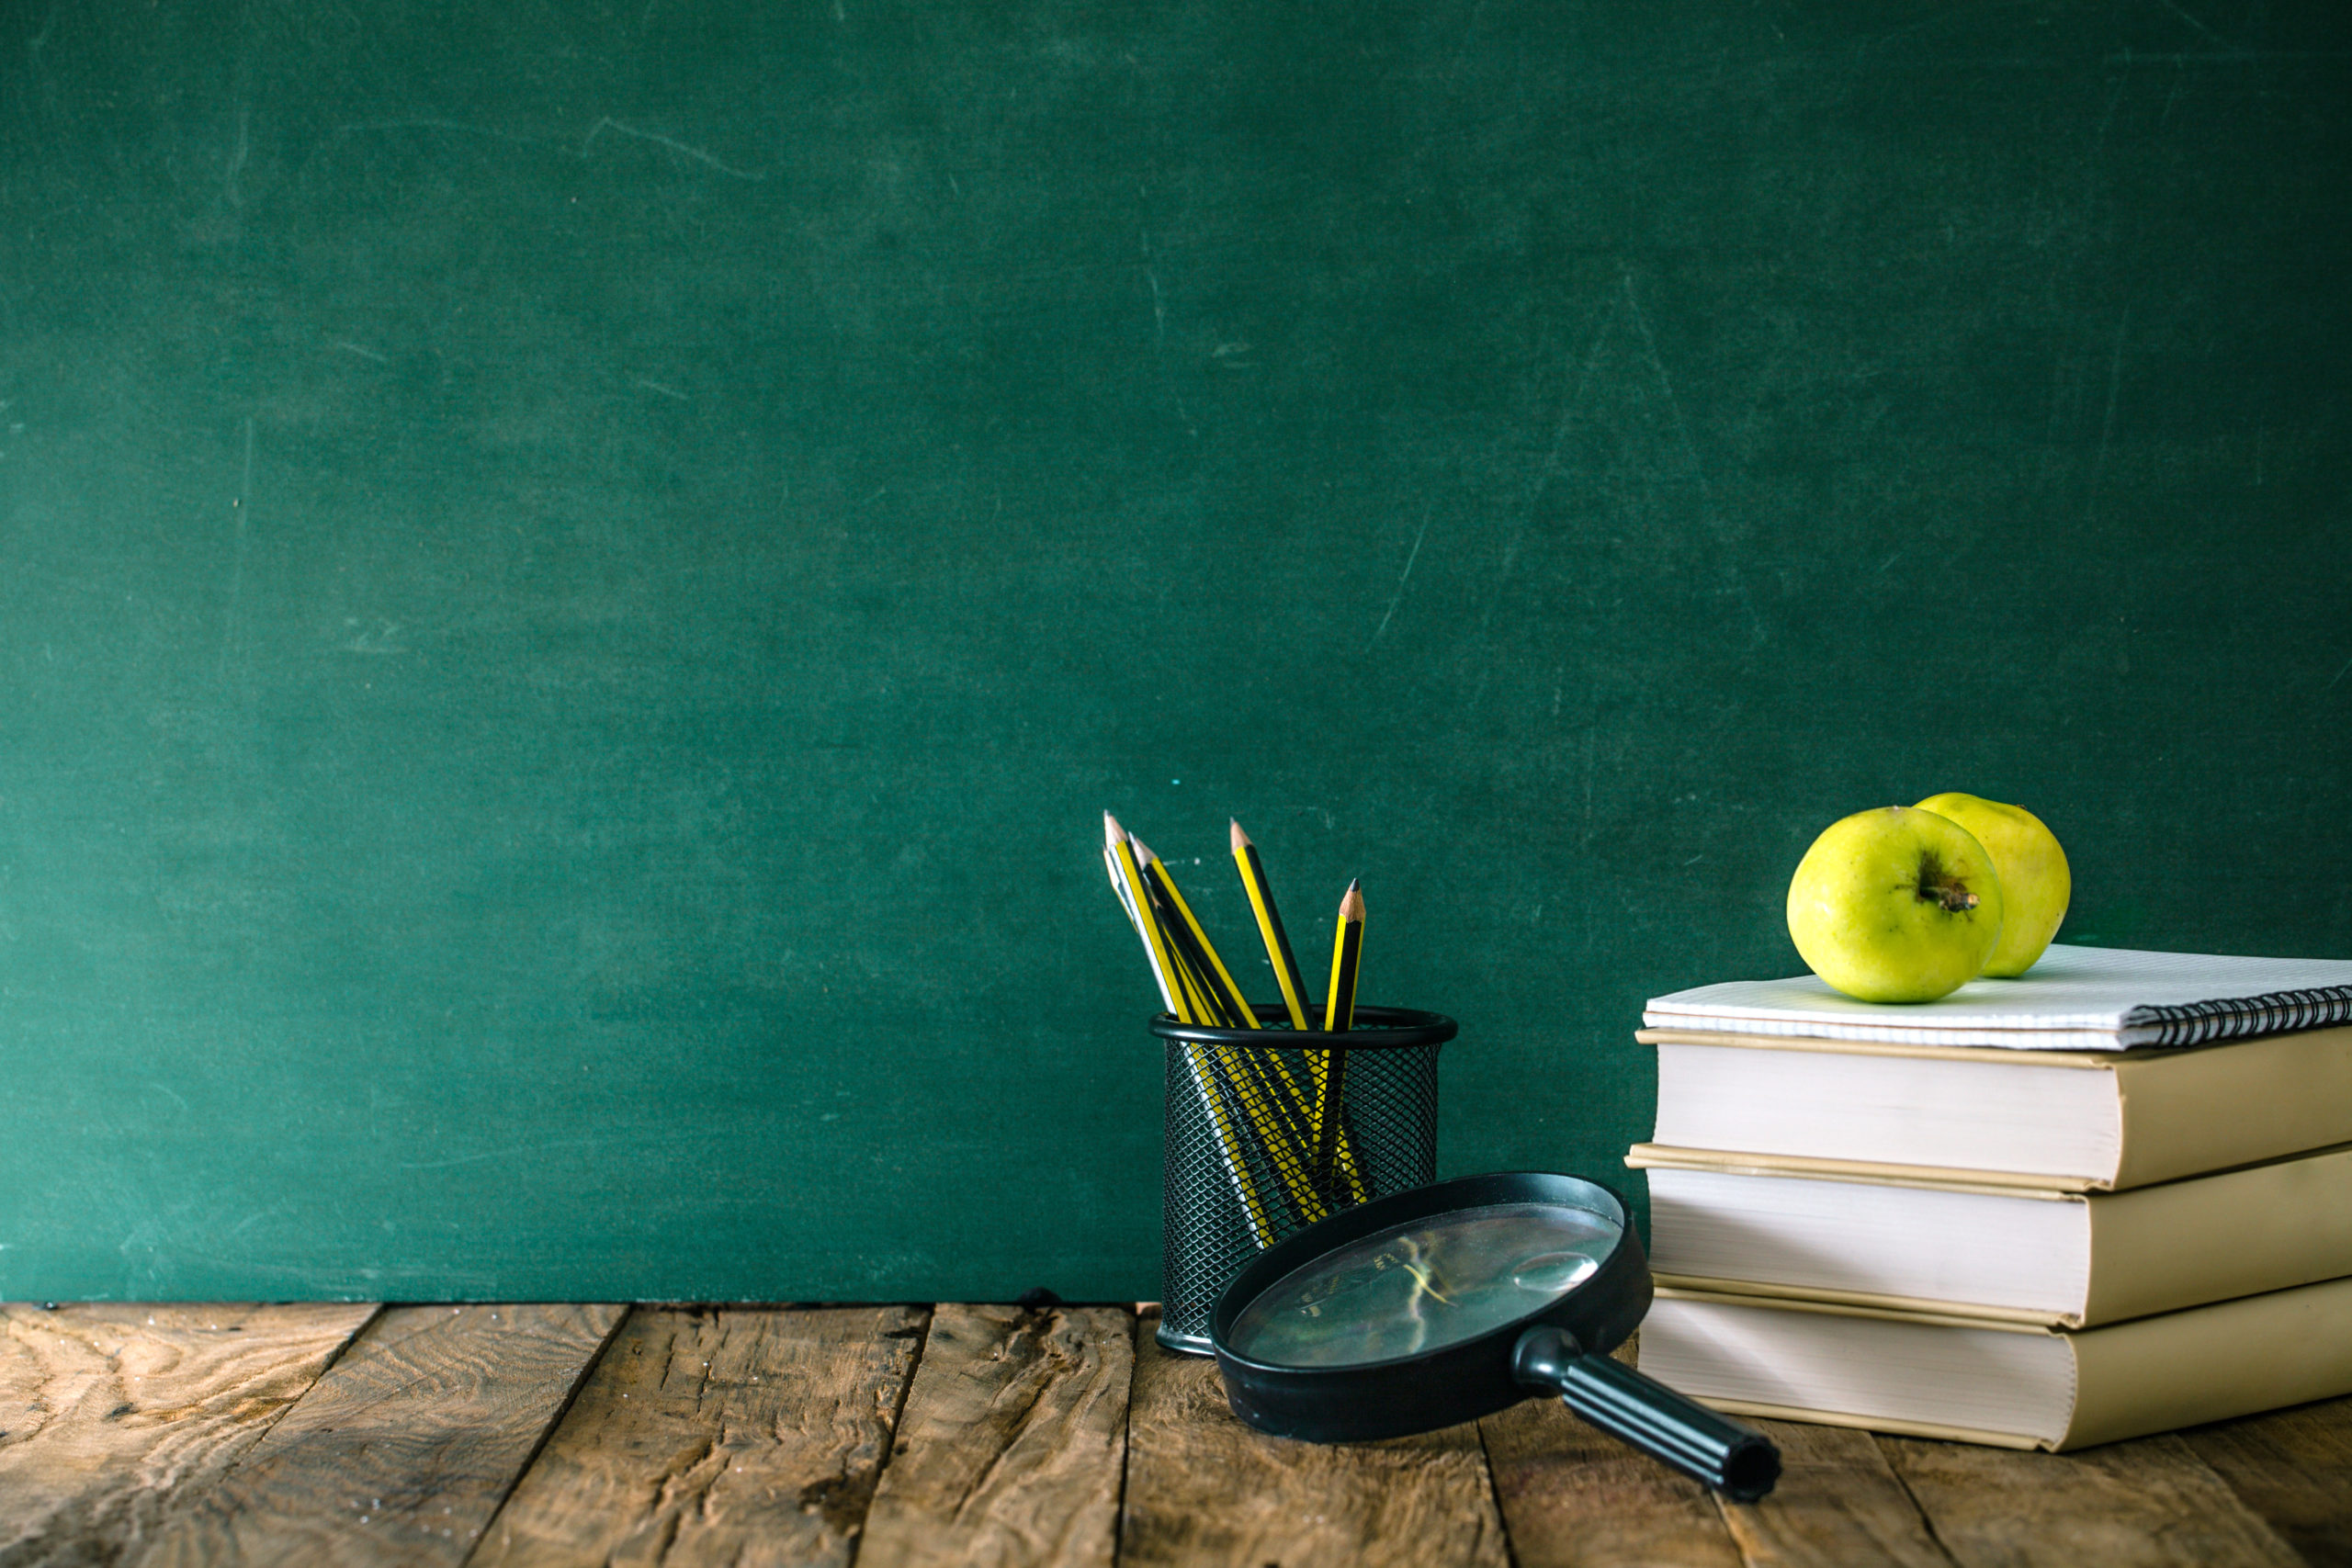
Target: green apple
[
  {"x": 1896, "y": 904},
  {"x": 2035, "y": 883}
]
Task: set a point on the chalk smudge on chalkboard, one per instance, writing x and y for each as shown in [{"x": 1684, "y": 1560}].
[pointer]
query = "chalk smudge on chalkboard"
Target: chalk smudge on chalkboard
[{"x": 1403, "y": 577}]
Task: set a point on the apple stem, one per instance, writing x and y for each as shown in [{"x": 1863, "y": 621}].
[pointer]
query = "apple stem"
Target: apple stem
[{"x": 1939, "y": 887}]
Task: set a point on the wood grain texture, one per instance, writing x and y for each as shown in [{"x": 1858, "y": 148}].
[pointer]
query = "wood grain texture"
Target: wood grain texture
[
  {"x": 1204, "y": 1490},
  {"x": 2294, "y": 1468},
  {"x": 401, "y": 1453},
  {"x": 1576, "y": 1498},
  {"x": 1012, "y": 1444},
  {"x": 718, "y": 1436},
  {"x": 111, "y": 1412},
  {"x": 1838, "y": 1502},
  {"x": 2150, "y": 1503}
]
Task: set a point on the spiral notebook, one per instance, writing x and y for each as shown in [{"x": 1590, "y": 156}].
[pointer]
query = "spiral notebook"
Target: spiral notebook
[{"x": 2076, "y": 998}]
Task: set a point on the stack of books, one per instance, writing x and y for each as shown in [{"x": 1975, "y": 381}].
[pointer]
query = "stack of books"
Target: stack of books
[{"x": 2111, "y": 1197}]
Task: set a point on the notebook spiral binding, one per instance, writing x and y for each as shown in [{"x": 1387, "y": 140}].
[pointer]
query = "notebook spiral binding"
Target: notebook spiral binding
[{"x": 2243, "y": 1018}]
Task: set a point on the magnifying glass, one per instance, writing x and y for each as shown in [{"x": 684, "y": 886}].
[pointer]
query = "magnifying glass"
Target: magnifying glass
[{"x": 1449, "y": 1302}]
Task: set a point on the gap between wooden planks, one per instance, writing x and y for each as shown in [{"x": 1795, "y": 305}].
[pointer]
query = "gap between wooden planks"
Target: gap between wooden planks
[{"x": 901, "y": 1436}]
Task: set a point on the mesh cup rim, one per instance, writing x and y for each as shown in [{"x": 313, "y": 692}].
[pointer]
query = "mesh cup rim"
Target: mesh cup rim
[{"x": 1378, "y": 1029}]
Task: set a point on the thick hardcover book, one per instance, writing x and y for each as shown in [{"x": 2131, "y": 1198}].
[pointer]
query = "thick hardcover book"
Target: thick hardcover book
[
  {"x": 2009, "y": 1384},
  {"x": 2074, "y": 998},
  {"x": 2066, "y": 1120},
  {"x": 2026, "y": 1254}
]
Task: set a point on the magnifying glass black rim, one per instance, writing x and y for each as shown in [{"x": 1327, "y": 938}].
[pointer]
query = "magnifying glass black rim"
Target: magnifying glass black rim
[{"x": 1362, "y": 1401}]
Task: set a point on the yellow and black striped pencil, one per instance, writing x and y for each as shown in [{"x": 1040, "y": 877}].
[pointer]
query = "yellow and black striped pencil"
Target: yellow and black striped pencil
[
  {"x": 1270, "y": 928},
  {"x": 1135, "y": 896},
  {"x": 1338, "y": 1017}
]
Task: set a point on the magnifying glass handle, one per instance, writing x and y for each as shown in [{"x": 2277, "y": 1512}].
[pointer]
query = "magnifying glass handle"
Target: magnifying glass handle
[{"x": 1735, "y": 1459}]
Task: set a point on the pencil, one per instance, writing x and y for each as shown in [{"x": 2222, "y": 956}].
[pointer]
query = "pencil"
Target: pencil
[
  {"x": 1347, "y": 945},
  {"x": 1190, "y": 945},
  {"x": 1287, "y": 1146},
  {"x": 1243, "y": 1018},
  {"x": 1127, "y": 905},
  {"x": 1237, "y": 1163},
  {"x": 1270, "y": 928},
  {"x": 1198, "y": 974},
  {"x": 1338, "y": 1017},
  {"x": 1285, "y": 962},
  {"x": 1127, "y": 878},
  {"x": 1220, "y": 1005},
  {"x": 1266, "y": 1067}
]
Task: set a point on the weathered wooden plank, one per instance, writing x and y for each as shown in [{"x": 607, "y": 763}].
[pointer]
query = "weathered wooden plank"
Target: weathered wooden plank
[
  {"x": 2294, "y": 1468},
  {"x": 401, "y": 1453},
  {"x": 718, "y": 1435},
  {"x": 1836, "y": 1503},
  {"x": 1012, "y": 1445},
  {"x": 109, "y": 1412},
  {"x": 2150, "y": 1503},
  {"x": 1204, "y": 1490},
  {"x": 1576, "y": 1498}
]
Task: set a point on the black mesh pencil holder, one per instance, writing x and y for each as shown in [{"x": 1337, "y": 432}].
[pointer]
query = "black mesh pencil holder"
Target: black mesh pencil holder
[{"x": 1270, "y": 1129}]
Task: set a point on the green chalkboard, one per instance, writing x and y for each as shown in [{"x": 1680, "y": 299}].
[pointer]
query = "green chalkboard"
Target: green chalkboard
[{"x": 574, "y": 578}]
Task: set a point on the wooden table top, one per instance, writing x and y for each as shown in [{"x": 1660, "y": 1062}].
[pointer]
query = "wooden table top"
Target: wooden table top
[{"x": 905, "y": 1435}]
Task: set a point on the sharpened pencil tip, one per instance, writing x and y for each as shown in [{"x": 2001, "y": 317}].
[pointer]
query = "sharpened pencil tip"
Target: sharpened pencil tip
[
  {"x": 1143, "y": 851},
  {"x": 1352, "y": 902},
  {"x": 1240, "y": 839},
  {"x": 1111, "y": 832}
]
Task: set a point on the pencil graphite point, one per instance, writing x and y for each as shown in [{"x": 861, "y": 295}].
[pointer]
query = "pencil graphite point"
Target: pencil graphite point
[
  {"x": 1113, "y": 834},
  {"x": 1351, "y": 901},
  {"x": 1143, "y": 851}
]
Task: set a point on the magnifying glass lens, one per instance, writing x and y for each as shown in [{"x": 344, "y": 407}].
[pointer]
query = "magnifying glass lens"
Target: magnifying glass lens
[{"x": 1424, "y": 1285}]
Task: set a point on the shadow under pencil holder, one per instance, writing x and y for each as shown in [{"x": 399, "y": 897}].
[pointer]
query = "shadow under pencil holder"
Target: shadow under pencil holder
[{"x": 1270, "y": 1129}]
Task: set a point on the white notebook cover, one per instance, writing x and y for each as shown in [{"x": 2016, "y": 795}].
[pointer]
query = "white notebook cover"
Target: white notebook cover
[{"x": 2076, "y": 998}]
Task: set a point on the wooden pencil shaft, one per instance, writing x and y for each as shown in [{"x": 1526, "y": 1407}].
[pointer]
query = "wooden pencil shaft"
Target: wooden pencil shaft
[
  {"x": 1199, "y": 1001},
  {"x": 1300, "y": 1104},
  {"x": 1199, "y": 1070},
  {"x": 1331, "y": 1159},
  {"x": 1291, "y": 1107},
  {"x": 1215, "y": 981},
  {"x": 1287, "y": 1147},
  {"x": 1327, "y": 1142},
  {"x": 1151, "y": 957},
  {"x": 1286, "y": 1158},
  {"x": 1166, "y": 884},
  {"x": 1270, "y": 928},
  {"x": 1189, "y": 970},
  {"x": 1350, "y": 1169},
  {"x": 1155, "y": 940},
  {"x": 1338, "y": 1016},
  {"x": 1229, "y": 1109}
]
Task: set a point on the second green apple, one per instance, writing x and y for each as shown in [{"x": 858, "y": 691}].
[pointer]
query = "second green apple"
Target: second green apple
[{"x": 2035, "y": 884}]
